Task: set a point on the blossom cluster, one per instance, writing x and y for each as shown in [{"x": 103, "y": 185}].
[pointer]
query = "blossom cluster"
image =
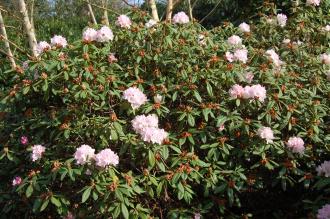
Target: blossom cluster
[
  {"x": 147, "y": 128},
  {"x": 324, "y": 169},
  {"x": 248, "y": 92},
  {"x": 274, "y": 57},
  {"x": 86, "y": 154},
  {"x": 135, "y": 97},
  {"x": 124, "y": 21},
  {"x": 104, "y": 34},
  {"x": 180, "y": 18}
]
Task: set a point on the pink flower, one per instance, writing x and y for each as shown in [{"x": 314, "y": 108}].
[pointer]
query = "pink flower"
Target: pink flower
[
  {"x": 112, "y": 58},
  {"x": 104, "y": 34},
  {"x": 84, "y": 154},
  {"x": 324, "y": 169},
  {"x": 24, "y": 140},
  {"x": 259, "y": 92},
  {"x": 69, "y": 216},
  {"x": 313, "y": 2},
  {"x": 123, "y": 21},
  {"x": 58, "y": 41},
  {"x": 241, "y": 55},
  {"x": 281, "y": 19},
  {"x": 325, "y": 58},
  {"x": 296, "y": 145},
  {"x": 249, "y": 77},
  {"x": 150, "y": 23},
  {"x": 324, "y": 212},
  {"x": 42, "y": 47},
  {"x": 234, "y": 40},
  {"x": 266, "y": 133},
  {"x": 221, "y": 127},
  {"x": 37, "y": 152},
  {"x": 273, "y": 57},
  {"x": 236, "y": 91},
  {"x": 141, "y": 123},
  {"x": 135, "y": 97},
  {"x": 229, "y": 56},
  {"x": 244, "y": 27},
  {"x": 180, "y": 18},
  {"x": 89, "y": 35},
  {"x": 154, "y": 135},
  {"x": 197, "y": 216},
  {"x": 17, "y": 181},
  {"x": 106, "y": 157}
]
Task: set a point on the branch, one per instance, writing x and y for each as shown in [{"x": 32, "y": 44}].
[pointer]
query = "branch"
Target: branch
[
  {"x": 91, "y": 12},
  {"x": 215, "y": 7},
  {"x": 102, "y": 7},
  {"x": 7, "y": 46}
]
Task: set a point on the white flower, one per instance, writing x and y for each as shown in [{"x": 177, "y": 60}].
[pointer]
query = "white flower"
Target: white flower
[
  {"x": 84, "y": 154},
  {"x": 266, "y": 133},
  {"x": 281, "y": 19},
  {"x": 244, "y": 27},
  {"x": 158, "y": 98},
  {"x": 234, "y": 40},
  {"x": 89, "y": 35},
  {"x": 180, "y": 18},
  {"x": 150, "y": 23},
  {"x": 58, "y": 41},
  {"x": 104, "y": 34},
  {"x": 37, "y": 152}
]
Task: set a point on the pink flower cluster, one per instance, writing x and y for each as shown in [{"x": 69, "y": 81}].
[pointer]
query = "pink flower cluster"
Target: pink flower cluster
[
  {"x": 37, "y": 152},
  {"x": 324, "y": 169},
  {"x": 248, "y": 76},
  {"x": 325, "y": 58},
  {"x": 42, "y": 47},
  {"x": 58, "y": 41},
  {"x": 135, "y": 97},
  {"x": 248, "y": 92},
  {"x": 266, "y": 133},
  {"x": 85, "y": 154},
  {"x": 313, "y": 2},
  {"x": 274, "y": 57},
  {"x": 123, "y": 21},
  {"x": 238, "y": 55},
  {"x": 180, "y": 18},
  {"x": 296, "y": 145},
  {"x": 234, "y": 40},
  {"x": 324, "y": 212},
  {"x": 24, "y": 140},
  {"x": 281, "y": 19},
  {"x": 102, "y": 35},
  {"x": 147, "y": 128},
  {"x": 244, "y": 27},
  {"x": 17, "y": 181},
  {"x": 112, "y": 58}
]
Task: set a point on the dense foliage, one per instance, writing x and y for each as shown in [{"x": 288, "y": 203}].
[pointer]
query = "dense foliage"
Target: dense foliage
[{"x": 219, "y": 159}]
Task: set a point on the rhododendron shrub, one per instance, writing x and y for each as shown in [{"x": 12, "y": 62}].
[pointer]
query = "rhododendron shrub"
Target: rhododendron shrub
[{"x": 143, "y": 121}]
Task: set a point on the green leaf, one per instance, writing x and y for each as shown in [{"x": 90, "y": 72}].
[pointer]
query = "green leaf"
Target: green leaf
[
  {"x": 197, "y": 96},
  {"x": 55, "y": 201},
  {"x": 44, "y": 205},
  {"x": 36, "y": 205},
  {"x": 86, "y": 194},
  {"x": 151, "y": 158},
  {"x": 124, "y": 211},
  {"x": 29, "y": 191}
]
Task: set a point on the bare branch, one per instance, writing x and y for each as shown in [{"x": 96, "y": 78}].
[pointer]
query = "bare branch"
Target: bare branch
[{"x": 7, "y": 46}]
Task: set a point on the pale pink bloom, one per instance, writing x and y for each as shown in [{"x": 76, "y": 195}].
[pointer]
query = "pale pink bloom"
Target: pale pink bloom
[
  {"x": 106, "y": 157},
  {"x": 154, "y": 135},
  {"x": 150, "y": 23},
  {"x": 180, "y": 18},
  {"x": 234, "y": 40},
  {"x": 69, "y": 216},
  {"x": 325, "y": 58},
  {"x": 84, "y": 154},
  {"x": 42, "y": 47},
  {"x": 104, "y": 34},
  {"x": 112, "y": 58},
  {"x": 258, "y": 92},
  {"x": 37, "y": 152},
  {"x": 326, "y": 28},
  {"x": 221, "y": 127},
  {"x": 274, "y": 57},
  {"x": 324, "y": 212},
  {"x": 324, "y": 169},
  {"x": 281, "y": 19},
  {"x": 244, "y": 27},
  {"x": 249, "y": 77},
  {"x": 197, "y": 216},
  {"x": 135, "y": 97},
  {"x": 236, "y": 91},
  {"x": 266, "y": 133},
  {"x": 328, "y": 75},
  {"x": 158, "y": 98},
  {"x": 241, "y": 55},
  {"x": 123, "y": 21},
  {"x": 229, "y": 56},
  {"x": 313, "y": 2},
  {"x": 24, "y": 140},
  {"x": 90, "y": 35},
  {"x": 248, "y": 92},
  {"x": 141, "y": 123},
  {"x": 286, "y": 41},
  {"x": 296, "y": 145},
  {"x": 58, "y": 41},
  {"x": 17, "y": 181}
]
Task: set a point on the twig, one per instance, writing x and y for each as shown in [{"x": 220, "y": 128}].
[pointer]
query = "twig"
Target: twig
[
  {"x": 3, "y": 52},
  {"x": 102, "y": 7},
  {"x": 128, "y": 4},
  {"x": 15, "y": 45},
  {"x": 215, "y": 7}
]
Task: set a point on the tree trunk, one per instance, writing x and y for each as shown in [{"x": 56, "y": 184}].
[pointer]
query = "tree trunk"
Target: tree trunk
[
  {"x": 154, "y": 11},
  {"x": 91, "y": 13},
  {"x": 105, "y": 12},
  {"x": 169, "y": 10},
  {"x": 28, "y": 27},
  {"x": 31, "y": 15},
  {"x": 190, "y": 11},
  {"x": 7, "y": 46}
]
